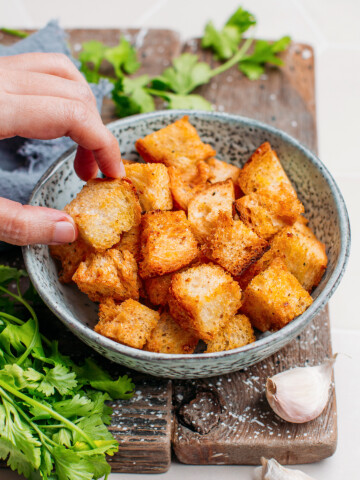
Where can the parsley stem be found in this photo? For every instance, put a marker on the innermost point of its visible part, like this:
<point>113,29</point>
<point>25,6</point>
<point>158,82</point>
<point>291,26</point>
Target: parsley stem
<point>15,33</point>
<point>18,321</point>
<point>233,60</point>
<point>49,410</point>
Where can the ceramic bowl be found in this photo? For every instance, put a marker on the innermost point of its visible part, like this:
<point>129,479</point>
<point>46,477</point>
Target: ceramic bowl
<point>234,139</point>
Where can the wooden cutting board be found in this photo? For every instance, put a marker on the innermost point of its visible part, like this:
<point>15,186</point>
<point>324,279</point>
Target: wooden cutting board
<point>226,419</point>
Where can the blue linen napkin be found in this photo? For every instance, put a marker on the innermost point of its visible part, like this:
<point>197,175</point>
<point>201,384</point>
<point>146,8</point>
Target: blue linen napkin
<point>23,161</point>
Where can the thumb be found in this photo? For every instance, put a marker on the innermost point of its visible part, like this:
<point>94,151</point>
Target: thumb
<point>27,225</point>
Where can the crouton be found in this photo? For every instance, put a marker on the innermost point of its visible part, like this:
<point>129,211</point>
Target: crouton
<point>304,256</point>
<point>184,188</point>
<point>108,274</point>
<point>274,298</point>
<point>130,323</point>
<point>130,241</point>
<point>263,171</point>
<point>70,256</point>
<point>203,298</point>
<point>103,210</point>
<point>236,333</point>
<point>177,145</point>
<point>169,337</point>
<point>167,243</point>
<point>157,289</point>
<point>152,185</point>
<point>221,171</point>
<point>233,245</point>
<point>204,207</point>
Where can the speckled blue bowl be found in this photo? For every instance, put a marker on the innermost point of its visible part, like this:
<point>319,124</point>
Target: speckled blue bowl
<point>234,138</point>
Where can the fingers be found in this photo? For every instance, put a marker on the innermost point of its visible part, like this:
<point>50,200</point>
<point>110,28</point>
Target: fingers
<point>46,117</point>
<point>85,164</point>
<point>33,83</point>
<point>51,63</point>
<point>28,225</point>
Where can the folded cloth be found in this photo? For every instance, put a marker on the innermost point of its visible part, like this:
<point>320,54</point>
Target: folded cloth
<point>23,161</point>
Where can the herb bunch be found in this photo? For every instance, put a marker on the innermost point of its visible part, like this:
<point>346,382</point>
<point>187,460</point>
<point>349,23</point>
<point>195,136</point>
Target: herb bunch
<point>177,83</point>
<point>53,414</point>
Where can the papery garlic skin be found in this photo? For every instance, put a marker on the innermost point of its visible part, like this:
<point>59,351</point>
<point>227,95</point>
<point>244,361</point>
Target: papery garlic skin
<point>300,394</point>
<point>272,470</point>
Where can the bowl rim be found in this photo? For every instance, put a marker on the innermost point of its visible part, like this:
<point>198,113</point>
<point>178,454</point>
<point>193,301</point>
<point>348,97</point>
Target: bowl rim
<point>290,330</point>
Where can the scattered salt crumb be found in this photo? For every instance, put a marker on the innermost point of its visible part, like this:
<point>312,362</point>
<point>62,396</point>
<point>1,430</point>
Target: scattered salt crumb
<point>306,54</point>
<point>272,96</point>
<point>294,123</point>
<point>77,47</point>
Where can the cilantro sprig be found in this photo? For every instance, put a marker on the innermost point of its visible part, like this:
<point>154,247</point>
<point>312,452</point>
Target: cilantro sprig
<point>53,414</point>
<point>177,83</point>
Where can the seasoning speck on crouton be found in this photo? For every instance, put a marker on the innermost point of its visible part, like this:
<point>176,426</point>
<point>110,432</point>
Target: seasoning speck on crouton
<point>103,209</point>
<point>167,243</point>
<point>108,274</point>
<point>157,289</point>
<point>177,145</point>
<point>169,337</point>
<point>203,298</point>
<point>274,298</point>
<point>130,323</point>
<point>221,171</point>
<point>236,333</point>
<point>233,245</point>
<point>152,185</point>
<point>205,206</point>
<point>70,256</point>
<point>184,188</point>
<point>130,241</point>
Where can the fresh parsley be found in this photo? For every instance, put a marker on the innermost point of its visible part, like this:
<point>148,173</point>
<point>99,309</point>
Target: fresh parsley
<point>53,414</point>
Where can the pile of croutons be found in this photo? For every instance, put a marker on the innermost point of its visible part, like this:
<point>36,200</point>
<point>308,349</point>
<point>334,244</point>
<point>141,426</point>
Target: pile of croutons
<point>189,247</point>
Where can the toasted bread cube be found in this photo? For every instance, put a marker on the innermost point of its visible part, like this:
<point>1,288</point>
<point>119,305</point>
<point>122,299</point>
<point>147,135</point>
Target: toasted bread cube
<point>203,298</point>
<point>157,289</point>
<point>304,256</point>
<point>108,274</point>
<point>152,184</point>
<point>274,298</point>
<point>169,337</point>
<point>167,243</point>
<point>205,206</point>
<point>184,188</point>
<point>177,145</point>
<point>263,171</point>
<point>130,241</point>
<point>236,333</point>
<point>130,323</point>
<point>70,256</point>
<point>221,171</point>
<point>103,210</point>
<point>233,245</point>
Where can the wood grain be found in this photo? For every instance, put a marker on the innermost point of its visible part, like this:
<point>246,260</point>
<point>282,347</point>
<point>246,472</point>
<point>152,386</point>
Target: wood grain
<point>222,420</point>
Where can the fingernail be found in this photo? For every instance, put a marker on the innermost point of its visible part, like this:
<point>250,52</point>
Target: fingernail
<point>122,169</point>
<point>64,232</point>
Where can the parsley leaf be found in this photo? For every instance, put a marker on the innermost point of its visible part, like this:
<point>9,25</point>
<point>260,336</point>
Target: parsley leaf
<point>122,57</point>
<point>264,52</point>
<point>223,42</point>
<point>58,378</point>
<point>242,20</point>
<point>78,405</point>
<point>131,97</point>
<point>9,274</point>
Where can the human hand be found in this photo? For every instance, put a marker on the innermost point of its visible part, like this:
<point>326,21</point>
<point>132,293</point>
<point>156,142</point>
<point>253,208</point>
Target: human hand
<point>44,96</point>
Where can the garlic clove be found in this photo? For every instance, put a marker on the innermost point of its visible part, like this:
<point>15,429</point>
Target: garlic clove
<point>300,394</point>
<point>272,470</point>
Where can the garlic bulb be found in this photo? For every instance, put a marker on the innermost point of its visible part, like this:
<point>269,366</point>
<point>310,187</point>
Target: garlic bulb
<point>300,394</point>
<point>272,470</point>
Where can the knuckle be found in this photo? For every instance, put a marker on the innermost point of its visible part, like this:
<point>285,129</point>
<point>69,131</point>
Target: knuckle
<point>78,113</point>
<point>84,94</point>
<point>63,62</point>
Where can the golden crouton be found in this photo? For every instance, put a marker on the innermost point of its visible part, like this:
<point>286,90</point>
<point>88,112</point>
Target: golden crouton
<point>203,298</point>
<point>130,323</point>
<point>169,337</point>
<point>108,274</point>
<point>184,188</point>
<point>167,243</point>
<point>303,255</point>
<point>204,207</point>
<point>152,185</point>
<point>233,245</point>
<point>263,171</point>
<point>70,256</point>
<point>130,241</point>
<point>177,145</point>
<point>103,210</point>
<point>236,333</point>
<point>157,289</point>
<point>274,298</point>
<point>221,171</point>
